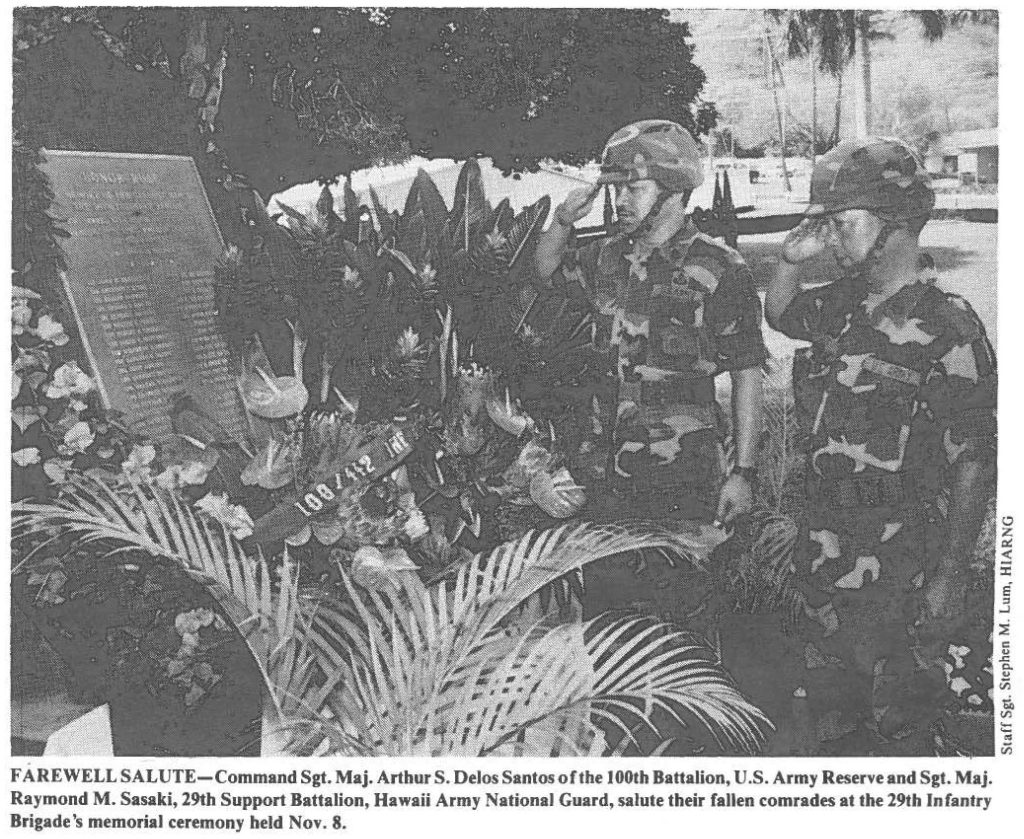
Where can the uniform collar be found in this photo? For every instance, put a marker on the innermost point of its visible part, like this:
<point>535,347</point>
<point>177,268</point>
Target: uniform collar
<point>679,240</point>
<point>899,305</point>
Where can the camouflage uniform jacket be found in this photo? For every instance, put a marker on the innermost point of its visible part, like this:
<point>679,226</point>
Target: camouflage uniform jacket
<point>889,394</point>
<point>678,315</point>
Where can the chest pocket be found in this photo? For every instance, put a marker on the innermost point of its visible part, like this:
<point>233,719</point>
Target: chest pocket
<point>678,321</point>
<point>866,412</point>
<point>678,341</point>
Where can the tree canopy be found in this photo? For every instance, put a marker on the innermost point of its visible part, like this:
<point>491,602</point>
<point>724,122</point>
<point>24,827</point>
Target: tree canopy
<point>306,93</point>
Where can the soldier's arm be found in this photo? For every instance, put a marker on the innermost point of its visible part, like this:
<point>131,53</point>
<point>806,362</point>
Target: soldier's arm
<point>781,291</point>
<point>964,402</point>
<point>747,406</point>
<point>734,316</point>
<point>804,242</point>
<point>552,244</point>
<point>971,486</point>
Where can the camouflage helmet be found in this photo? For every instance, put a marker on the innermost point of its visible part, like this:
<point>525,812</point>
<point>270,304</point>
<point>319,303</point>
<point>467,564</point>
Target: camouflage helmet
<point>883,176</point>
<point>653,149</point>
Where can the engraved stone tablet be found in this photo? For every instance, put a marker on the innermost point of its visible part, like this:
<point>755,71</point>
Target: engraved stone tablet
<point>139,278</point>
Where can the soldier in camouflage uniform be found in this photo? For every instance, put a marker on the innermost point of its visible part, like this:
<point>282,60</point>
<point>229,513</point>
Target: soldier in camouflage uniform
<point>674,308</point>
<point>896,396</point>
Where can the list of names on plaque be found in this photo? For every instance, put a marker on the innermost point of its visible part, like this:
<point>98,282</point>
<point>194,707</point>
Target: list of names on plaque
<point>140,278</point>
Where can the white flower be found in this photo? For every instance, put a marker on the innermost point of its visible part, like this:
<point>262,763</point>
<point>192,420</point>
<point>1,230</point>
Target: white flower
<point>351,277</point>
<point>407,344</point>
<point>416,526</point>
<point>56,469</point>
<point>68,379</point>
<point>136,465</point>
<point>177,475</point>
<point>26,457</point>
<point>233,516</point>
<point>427,274</point>
<point>194,473</point>
<point>169,478</point>
<point>233,255</point>
<point>21,314</point>
<point>79,437</point>
<point>51,330</point>
<point>192,622</point>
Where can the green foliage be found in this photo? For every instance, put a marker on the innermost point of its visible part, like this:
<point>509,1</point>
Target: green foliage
<point>406,669</point>
<point>356,283</point>
<point>59,421</point>
<point>759,578</point>
<point>309,93</point>
<point>537,689</point>
<point>144,517</point>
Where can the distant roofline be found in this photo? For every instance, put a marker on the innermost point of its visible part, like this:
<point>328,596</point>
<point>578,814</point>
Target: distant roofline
<point>961,140</point>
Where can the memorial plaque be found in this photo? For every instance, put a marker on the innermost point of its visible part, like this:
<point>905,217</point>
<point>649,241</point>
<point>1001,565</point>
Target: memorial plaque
<point>140,280</point>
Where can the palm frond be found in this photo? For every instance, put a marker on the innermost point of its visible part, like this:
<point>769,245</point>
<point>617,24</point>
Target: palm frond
<point>780,460</point>
<point>159,523</point>
<point>761,579</point>
<point>435,670</point>
<point>411,669</point>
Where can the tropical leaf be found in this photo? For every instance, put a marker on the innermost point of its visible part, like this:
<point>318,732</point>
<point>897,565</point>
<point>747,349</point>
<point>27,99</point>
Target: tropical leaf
<point>385,221</point>
<point>412,235</point>
<point>502,217</point>
<point>159,523</point>
<point>410,669</point>
<point>439,670</point>
<point>324,217</point>
<point>401,259</point>
<point>780,460</point>
<point>295,219</point>
<point>522,238</point>
<point>350,229</point>
<point>760,579</point>
<point>425,199</point>
<point>470,207</point>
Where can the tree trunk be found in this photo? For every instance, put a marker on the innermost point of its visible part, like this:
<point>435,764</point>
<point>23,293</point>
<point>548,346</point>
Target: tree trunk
<point>779,116</point>
<point>814,97</point>
<point>862,65</point>
<point>838,123</point>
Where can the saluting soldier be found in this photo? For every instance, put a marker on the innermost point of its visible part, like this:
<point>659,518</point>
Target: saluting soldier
<point>675,309</point>
<point>896,396</point>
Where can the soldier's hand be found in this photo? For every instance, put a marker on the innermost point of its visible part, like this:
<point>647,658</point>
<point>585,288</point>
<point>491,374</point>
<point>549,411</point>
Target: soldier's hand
<point>805,241</point>
<point>735,499</point>
<point>576,206</point>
